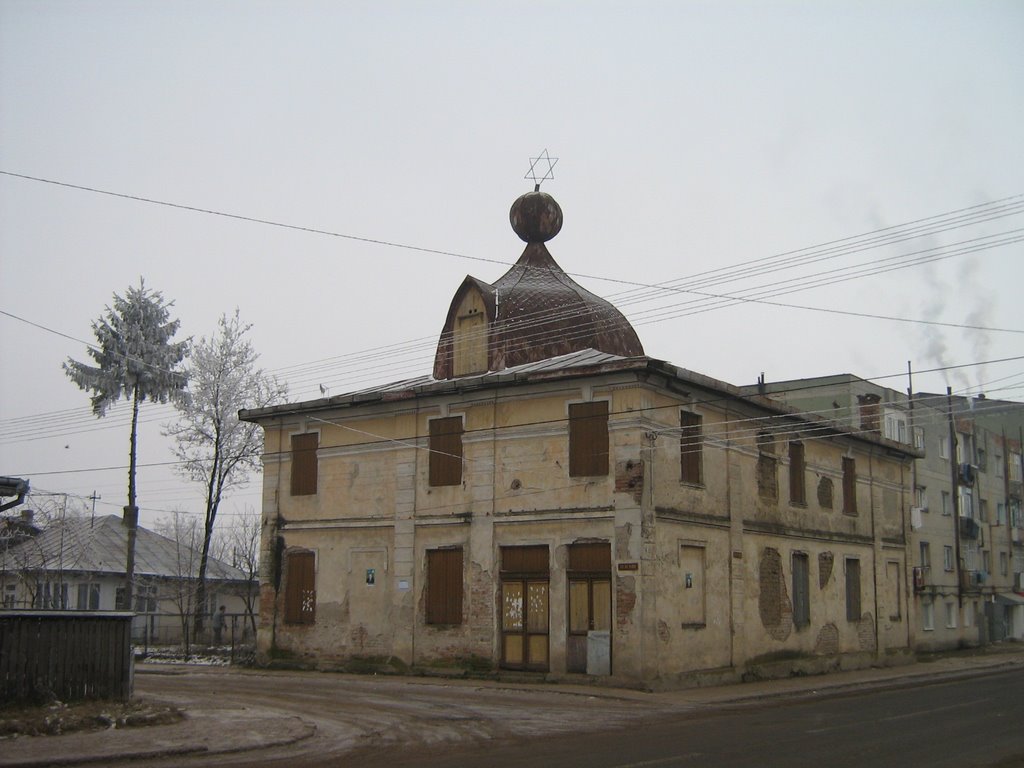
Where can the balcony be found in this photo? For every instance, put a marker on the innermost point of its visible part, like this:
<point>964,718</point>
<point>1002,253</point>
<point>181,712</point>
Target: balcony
<point>969,528</point>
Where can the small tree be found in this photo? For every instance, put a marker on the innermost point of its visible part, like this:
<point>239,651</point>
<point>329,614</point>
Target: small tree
<point>214,447</point>
<point>243,546</point>
<point>136,358</point>
<point>181,591</point>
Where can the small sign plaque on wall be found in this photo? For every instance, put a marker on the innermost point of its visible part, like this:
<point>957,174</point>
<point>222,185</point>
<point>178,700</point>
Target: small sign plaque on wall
<point>629,566</point>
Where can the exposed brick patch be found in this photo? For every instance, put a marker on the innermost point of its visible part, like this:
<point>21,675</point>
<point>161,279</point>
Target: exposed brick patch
<point>866,632</point>
<point>827,643</point>
<point>825,492</point>
<point>625,600</point>
<point>663,632</point>
<point>629,478</point>
<point>826,561</point>
<point>773,601</point>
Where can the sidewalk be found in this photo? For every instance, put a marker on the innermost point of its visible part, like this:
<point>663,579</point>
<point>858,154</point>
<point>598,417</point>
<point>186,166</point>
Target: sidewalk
<point>211,732</point>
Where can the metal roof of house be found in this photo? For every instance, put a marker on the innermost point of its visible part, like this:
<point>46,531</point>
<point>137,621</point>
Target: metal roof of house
<point>100,546</point>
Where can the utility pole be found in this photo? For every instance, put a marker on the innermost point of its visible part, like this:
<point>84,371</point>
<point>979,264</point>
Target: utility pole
<point>95,498</point>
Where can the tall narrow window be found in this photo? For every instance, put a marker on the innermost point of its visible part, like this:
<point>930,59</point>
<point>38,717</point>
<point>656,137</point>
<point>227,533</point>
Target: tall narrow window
<point>691,447</point>
<point>852,589</point>
<point>797,479</point>
<point>588,439</point>
<point>767,475</point>
<point>849,486</point>
<point>801,590</point>
<point>300,588</point>
<point>444,586</point>
<point>446,451</point>
<point>304,466</point>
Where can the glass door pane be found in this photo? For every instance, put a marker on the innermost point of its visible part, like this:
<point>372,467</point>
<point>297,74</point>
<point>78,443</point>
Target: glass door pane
<point>602,604</point>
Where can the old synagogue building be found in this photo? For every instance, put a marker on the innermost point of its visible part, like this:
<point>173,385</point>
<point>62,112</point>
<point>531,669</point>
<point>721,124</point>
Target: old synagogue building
<point>552,499</point>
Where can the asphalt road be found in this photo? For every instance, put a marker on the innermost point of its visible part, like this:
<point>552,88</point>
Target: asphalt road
<point>375,723</point>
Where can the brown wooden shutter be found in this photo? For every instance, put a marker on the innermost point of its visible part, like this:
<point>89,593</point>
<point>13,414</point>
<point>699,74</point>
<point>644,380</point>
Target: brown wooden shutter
<point>797,479</point>
<point>444,586</point>
<point>588,439</point>
<point>691,459</point>
<point>525,560</point>
<point>590,558</point>
<point>300,591</point>
<point>853,590</point>
<point>849,486</point>
<point>304,464</point>
<point>446,451</point>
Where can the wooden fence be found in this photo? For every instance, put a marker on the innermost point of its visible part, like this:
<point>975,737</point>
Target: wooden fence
<point>67,655</point>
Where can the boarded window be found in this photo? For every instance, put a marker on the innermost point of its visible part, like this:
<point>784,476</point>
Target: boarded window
<point>797,474</point>
<point>588,439</point>
<point>304,463</point>
<point>852,589</point>
<point>300,588</point>
<point>470,344</point>
<point>801,590</point>
<point>524,560</point>
<point>767,477</point>
<point>849,486</point>
<point>446,451</point>
<point>590,558</point>
<point>691,447</point>
<point>444,586</point>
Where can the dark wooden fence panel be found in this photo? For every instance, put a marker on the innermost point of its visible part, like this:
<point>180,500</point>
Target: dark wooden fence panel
<point>65,655</point>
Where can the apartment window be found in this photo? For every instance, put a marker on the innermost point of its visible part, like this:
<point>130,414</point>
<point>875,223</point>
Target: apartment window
<point>444,586</point>
<point>986,561</point>
<point>691,449</point>
<point>446,451</point>
<point>304,465</point>
<point>300,588</point>
<point>895,428</point>
<point>1004,564</point>
<point>918,433</point>
<point>950,615</point>
<point>947,508</point>
<point>966,502</point>
<point>801,590</point>
<point>947,557</point>
<point>999,465</point>
<point>921,497</point>
<point>1015,519</point>
<point>983,510</point>
<point>145,599</point>
<point>1014,467</point>
<point>588,439</point>
<point>797,474</point>
<point>767,474</point>
<point>849,486</point>
<point>852,589</point>
<point>927,616</point>
<point>88,597</point>
<point>926,555</point>
<point>982,459</point>
<point>1000,513</point>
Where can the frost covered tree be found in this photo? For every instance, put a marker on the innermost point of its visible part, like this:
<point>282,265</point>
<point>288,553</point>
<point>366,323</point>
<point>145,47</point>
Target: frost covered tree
<point>136,359</point>
<point>213,446</point>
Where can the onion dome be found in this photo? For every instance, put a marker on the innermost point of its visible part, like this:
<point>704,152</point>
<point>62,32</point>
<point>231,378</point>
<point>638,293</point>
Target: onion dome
<point>533,312</point>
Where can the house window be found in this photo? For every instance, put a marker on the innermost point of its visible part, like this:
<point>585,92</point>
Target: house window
<point>444,586</point>
<point>926,555</point>
<point>9,595</point>
<point>304,465</point>
<point>120,599</point>
<point>947,557</point>
<point>943,447</point>
<point>691,448</point>
<point>950,615</point>
<point>300,588</point>
<point>1004,563</point>
<point>767,475</point>
<point>588,439</point>
<point>145,599</point>
<point>446,451</point>
<point>849,486</point>
<point>946,507</point>
<point>801,590</point>
<point>797,474</point>
<point>927,616</point>
<point>88,597</point>
<point>852,589</point>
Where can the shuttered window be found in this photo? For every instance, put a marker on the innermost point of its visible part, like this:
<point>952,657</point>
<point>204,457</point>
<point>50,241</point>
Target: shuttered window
<point>691,448</point>
<point>444,586</point>
<point>588,439</point>
<point>849,486</point>
<point>797,474</point>
<point>300,588</point>
<point>801,590</point>
<point>304,463</point>
<point>446,451</point>
<point>852,589</point>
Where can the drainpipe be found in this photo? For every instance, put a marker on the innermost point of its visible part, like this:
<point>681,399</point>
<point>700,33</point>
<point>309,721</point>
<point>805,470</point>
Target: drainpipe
<point>955,494</point>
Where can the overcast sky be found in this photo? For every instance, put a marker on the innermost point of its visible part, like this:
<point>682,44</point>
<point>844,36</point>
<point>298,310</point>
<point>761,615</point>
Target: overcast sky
<point>691,136</point>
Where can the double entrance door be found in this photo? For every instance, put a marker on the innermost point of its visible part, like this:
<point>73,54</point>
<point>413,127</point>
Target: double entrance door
<point>525,607</point>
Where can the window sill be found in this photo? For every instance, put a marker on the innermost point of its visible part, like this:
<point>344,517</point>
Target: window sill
<point>691,484</point>
<point>694,625</point>
<point>798,504</point>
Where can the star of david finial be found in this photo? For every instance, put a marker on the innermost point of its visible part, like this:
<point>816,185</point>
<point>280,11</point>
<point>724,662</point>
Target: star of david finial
<point>537,165</point>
